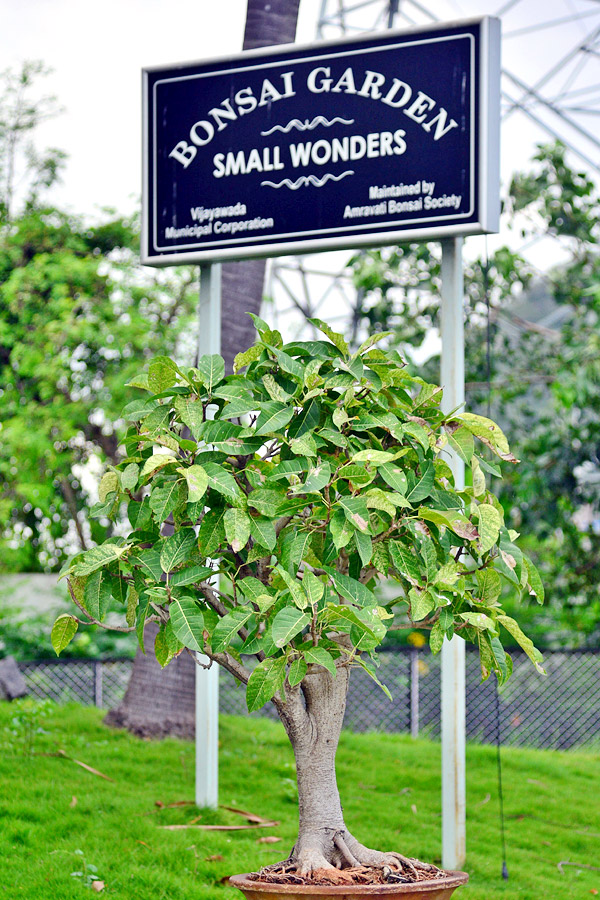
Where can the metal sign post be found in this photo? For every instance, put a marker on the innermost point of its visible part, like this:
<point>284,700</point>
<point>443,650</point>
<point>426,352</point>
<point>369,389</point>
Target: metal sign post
<point>207,680</point>
<point>453,652</point>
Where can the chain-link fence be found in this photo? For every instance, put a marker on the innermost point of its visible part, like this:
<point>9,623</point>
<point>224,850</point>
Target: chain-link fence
<point>559,711</point>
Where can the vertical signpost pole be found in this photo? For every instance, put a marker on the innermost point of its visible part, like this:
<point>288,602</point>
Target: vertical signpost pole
<point>207,680</point>
<point>453,652</point>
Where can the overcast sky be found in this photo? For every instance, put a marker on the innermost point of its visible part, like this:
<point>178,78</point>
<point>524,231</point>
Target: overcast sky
<point>97,52</point>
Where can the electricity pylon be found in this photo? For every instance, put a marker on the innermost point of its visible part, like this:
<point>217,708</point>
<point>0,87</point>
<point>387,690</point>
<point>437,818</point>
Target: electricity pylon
<point>550,91</point>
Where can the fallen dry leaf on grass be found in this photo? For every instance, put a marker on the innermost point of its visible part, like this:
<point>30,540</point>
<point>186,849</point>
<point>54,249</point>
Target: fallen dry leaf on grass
<point>220,827</point>
<point>214,858</point>
<point>414,808</point>
<point>98,886</point>
<point>162,805</point>
<point>252,817</point>
<point>82,764</point>
<point>73,802</point>
<point>144,844</point>
<point>269,839</point>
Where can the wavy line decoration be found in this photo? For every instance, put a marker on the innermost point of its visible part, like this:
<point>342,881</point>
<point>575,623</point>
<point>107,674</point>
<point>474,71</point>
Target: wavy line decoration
<point>306,125</point>
<point>305,180</point>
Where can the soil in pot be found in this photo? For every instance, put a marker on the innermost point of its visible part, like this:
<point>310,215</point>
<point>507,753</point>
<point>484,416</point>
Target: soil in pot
<point>352,883</point>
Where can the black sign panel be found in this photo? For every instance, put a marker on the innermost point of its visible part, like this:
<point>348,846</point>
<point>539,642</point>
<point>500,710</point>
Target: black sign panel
<point>354,143</point>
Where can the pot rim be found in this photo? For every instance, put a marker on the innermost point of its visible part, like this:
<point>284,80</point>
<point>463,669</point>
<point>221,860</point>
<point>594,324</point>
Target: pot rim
<point>451,879</point>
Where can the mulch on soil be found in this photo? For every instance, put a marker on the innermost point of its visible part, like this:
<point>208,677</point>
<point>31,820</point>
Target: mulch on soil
<point>351,876</point>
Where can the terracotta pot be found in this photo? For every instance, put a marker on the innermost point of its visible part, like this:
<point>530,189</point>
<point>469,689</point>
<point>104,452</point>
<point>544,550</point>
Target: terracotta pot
<point>438,889</point>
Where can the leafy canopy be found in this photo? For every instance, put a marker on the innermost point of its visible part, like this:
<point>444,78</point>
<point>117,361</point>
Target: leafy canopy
<point>300,482</point>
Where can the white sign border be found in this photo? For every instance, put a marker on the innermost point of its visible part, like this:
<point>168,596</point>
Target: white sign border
<point>488,169</point>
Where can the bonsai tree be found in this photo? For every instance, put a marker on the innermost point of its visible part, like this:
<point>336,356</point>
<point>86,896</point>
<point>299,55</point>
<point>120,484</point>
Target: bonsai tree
<point>310,475</point>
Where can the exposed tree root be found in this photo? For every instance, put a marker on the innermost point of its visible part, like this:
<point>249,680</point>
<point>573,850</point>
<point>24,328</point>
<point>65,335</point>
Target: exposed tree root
<point>341,859</point>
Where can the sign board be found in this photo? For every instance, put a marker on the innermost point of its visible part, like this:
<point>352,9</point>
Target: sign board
<point>367,141</point>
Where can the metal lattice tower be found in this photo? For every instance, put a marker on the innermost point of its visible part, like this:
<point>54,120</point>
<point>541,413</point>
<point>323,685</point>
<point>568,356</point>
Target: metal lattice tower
<point>550,90</point>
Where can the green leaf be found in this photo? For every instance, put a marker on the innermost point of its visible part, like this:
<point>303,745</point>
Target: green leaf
<point>149,560</point>
<point>351,589</point>
<point>369,668</point>
<point>265,681</point>
<point>141,614</point>
<point>383,500</point>
<point>109,484</point>
<point>489,585</point>
<point>188,623</point>
<point>355,510</point>
<point>346,615</point>
<point>273,417</point>
<point>162,374</point>
<point>456,521</point>
<point>63,632</point>
<point>364,546</point>
<point>129,477</point>
<point>418,433</point>
<point>263,532</point>
<point>421,604</point>
<point>373,339</point>
<point>197,482</point>
<point>97,594</point>
<point>534,581</point>
<point>318,656</point>
<point>267,501</point>
<point>294,586</point>
<point>98,557</point>
<point>192,575</point>
<point>423,486</point>
<point>162,651</point>
<point>212,370</point>
<point>212,531</point>
<point>191,413</point>
<point>163,500</point>
<point>303,445</point>
<point>405,562</point>
<point>490,523</point>
<point>313,587</point>
<point>132,602</point>
<point>334,337</point>
<point>341,529</point>
<point>488,433</point>
<point>287,624</point>
<point>523,641</point>
<point>479,620</point>
<point>375,457</point>
<point>394,476</point>
<point>288,363</point>
<point>297,671</point>
<point>436,638</point>
<point>248,356</point>
<point>228,627</point>
<point>237,528</point>
<point>316,479</point>
<point>221,481</point>
<point>177,548</point>
<point>155,462</point>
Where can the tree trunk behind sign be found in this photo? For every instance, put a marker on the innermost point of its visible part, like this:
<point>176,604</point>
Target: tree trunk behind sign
<point>267,22</point>
<point>160,702</point>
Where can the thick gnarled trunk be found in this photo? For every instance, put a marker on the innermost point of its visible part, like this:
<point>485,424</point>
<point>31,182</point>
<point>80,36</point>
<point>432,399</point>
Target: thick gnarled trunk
<point>313,714</point>
<point>321,820</point>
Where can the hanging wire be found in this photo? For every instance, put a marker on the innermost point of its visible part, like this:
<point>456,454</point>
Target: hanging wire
<point>486,291</point>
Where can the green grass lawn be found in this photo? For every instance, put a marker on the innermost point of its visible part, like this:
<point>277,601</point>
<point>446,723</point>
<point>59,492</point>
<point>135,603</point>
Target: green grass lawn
<point>390,788</point>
